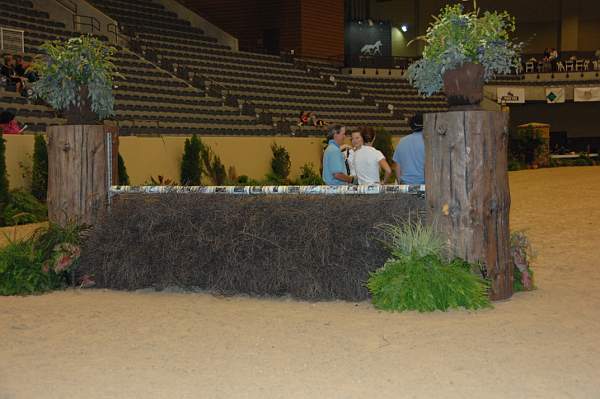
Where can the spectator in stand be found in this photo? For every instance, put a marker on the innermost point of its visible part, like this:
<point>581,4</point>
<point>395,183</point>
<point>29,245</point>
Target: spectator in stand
<point>303,118</point>
<point>9,124</point>
<point>315,121</point>
<point>367,161</point>
<point>8,70</point>
<point>334,167</point>
<point>410,154</point>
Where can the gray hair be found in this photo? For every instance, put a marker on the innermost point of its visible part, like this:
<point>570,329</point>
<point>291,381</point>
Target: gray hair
<point>333,130</point>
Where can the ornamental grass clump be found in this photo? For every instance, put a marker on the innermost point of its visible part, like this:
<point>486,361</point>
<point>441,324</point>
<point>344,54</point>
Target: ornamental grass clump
<point>457,37</point>
<point>417,277</point>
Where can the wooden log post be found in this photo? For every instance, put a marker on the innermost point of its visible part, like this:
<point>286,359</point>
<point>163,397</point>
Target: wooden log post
<point>77,173</point>
<point>468,196</point>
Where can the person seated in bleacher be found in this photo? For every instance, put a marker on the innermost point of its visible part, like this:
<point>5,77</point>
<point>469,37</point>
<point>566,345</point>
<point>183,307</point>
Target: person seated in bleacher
<point>8,70</point>
<point>315,121</point>
<point>22,65</point>
<point>303,119</point>
<point>9,124</point>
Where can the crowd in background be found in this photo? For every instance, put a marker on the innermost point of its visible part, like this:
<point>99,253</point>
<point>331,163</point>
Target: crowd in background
<point>361,163</point>
<point>15,73</point>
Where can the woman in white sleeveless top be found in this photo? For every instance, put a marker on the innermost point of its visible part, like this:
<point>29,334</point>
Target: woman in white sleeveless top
<point>366,161</point>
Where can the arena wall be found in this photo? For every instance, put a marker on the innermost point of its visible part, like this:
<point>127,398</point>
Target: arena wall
<point>161,155</point>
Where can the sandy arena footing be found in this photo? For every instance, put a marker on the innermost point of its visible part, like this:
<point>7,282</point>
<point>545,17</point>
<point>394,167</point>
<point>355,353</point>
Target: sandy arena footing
<point>542,344</point>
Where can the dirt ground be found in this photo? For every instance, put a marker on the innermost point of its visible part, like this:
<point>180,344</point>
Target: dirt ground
<point>542,344</point>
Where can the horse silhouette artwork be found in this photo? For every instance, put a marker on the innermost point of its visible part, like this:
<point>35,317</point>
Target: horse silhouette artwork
<point>372,49</point>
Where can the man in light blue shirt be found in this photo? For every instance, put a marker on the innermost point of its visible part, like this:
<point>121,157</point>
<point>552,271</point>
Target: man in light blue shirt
<point>334,166</point>
<point>410,154</point>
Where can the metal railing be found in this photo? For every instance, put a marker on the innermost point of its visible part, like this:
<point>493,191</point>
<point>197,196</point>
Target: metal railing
<point>80,21</point>
<point>69,5</point>
<point>12,40</point>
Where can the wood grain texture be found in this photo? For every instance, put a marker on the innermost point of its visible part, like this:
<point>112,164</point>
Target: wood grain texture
<point>77,173</point>
<point>467,189</point>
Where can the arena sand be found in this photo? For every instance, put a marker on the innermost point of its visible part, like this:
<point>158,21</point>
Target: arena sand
<point>541,344</point>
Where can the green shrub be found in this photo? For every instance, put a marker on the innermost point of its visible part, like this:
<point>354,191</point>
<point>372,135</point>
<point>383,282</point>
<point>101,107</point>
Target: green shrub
<point>524,145</point>
<point>41,263</point>
<point>4,194</point>
<point>39,170</point>
<point>21,270</point>
<point>23,208</point>
<point>280,164</point>
<point>122,172</point>
<point>417,277</point>
<point>191,167</point>
<point>215,169</point>
<point>383,142</point>
<point>427,284</point>
<point>309,177</point>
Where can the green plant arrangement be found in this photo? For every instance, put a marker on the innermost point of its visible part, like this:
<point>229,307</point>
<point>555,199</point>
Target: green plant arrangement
<point>191,166</point>
<point>458,38</point>
<point>43,262</point>
<point>417,277</point>
<point>23,208</point>
<point>39,170</point>
<point>76,77</point>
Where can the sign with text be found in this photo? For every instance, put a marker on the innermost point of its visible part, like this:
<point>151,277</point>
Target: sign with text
<point>510,95</point>
<point>586,94</point>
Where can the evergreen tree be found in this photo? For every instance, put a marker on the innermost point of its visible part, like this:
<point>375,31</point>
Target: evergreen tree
<point>123,176</point>
<point>191,168</point>
<point>4,195</point>
<point>39,170</point>
<point>280,164</point>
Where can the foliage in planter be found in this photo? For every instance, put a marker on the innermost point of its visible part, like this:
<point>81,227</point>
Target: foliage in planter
<point>72,69</point>
<point>122,171</point>
<point>191,166</point>
<point>582,160</point>
<point>39,170</point>
<point>524,145</point>
<point>160,181</point>
<point>417,277</point>
<point>41,263</point>
<point>457,37</point>
<point>24,208</point>
<point>280,164</point>
<point>4,195</point>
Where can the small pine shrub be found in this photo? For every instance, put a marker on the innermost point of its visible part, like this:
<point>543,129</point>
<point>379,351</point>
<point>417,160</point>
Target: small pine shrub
<point>280,164</point>
<point>215,169</point>
<point>522,254</point>
<point>122,172</point>
<point>309,177</point>
<point>39,170</point>
<point>417,277</point>
<point>383,142</point>
<point>23,208</point>
<point>191,167</point>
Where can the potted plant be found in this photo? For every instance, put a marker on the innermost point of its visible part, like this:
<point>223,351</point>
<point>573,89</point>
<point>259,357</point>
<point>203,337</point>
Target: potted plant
<point>462,51</point>
<point>76,79</point>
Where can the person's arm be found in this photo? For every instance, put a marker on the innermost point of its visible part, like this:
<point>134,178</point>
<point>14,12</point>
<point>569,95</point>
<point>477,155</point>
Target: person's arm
<point>398,172</point>
<point>344,177</point>
<point>386,169</point>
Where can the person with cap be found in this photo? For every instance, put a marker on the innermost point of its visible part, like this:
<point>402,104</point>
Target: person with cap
<point>410,154</point>
<point>334,166</point>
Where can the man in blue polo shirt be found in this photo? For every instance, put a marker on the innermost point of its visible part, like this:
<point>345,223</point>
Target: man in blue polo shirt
<point>410,154</point>
<point>334,167</point>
